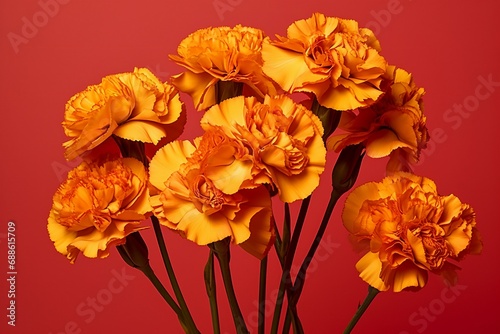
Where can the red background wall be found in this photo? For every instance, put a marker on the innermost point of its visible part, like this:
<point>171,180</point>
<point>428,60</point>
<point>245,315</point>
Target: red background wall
<point>450,48</point>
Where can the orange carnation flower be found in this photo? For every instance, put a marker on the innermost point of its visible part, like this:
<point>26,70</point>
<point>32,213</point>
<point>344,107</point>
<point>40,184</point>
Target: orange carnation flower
<point>330,57</point>
<point>134,106</point>
<point>394,126</point>
<point>409,230</point>
<point>206,194</point>
<point>284,137</point>
<point>98,206</point>
<point>220,54</point>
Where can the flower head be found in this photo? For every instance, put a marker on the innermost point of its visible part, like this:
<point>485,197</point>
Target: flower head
<point>283,137</point>
<point>330,57</point>
<point>134,106</point>
<point>206,194</point>
<point>220,54</point>
<point>97,206</point>
<point>395,126</point>
<point>408,230</point>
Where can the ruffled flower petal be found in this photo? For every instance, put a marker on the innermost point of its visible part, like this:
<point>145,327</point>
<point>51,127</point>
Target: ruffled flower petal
<point>408,230</point>
<point>98,205</point>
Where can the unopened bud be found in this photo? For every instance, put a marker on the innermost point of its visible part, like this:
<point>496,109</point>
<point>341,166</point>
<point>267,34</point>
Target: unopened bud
<point>346,169</point>
<point>135,251</point>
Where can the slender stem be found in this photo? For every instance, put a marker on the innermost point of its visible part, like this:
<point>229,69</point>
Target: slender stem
<point>212,292</point>
<point>262,295</point>
<point>372,292</point>
<point>239,322</point>
<point>299,281</point>
<point>278,306</point>
<point>286,230</point>
<point>286,280</point>
<point>171,275</point>
<point>148,271</point>
<point>287,323</point>
<point>277,244</point>
<point>286,272</point>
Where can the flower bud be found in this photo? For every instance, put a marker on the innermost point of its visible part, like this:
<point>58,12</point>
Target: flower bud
<point>346,169</point>
<point>135,251</point>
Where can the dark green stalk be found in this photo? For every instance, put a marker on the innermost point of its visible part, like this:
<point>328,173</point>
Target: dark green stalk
<point>221,250</point>
<point>286,230</point>
<point>148,271</point>
<point>344,175</point>
<point>171,275</point>
<point>135,253</point>
<point>262,296</point>
<point>277,244</point>
<point>372,293</point>
<point>210,285</point>
<point>299,281</point>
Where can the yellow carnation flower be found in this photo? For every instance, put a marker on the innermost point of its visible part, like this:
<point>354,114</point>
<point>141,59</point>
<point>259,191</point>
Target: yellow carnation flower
<point>220,54</point>
<point>134,106</point>
<point>409,230</point>
<point>395,126</point>
<point>285,140</point>
<point>330,57</point>
<point>98,205</point>
<point>206,194</point>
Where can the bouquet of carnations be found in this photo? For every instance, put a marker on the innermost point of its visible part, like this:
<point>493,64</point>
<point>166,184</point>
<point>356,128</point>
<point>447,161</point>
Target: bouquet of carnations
<point>273,111</point>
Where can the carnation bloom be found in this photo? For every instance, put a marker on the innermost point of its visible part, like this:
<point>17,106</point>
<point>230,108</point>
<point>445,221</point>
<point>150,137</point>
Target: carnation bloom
<point>220,54</point>
<point>409,230</point>
<point>98,205</point>
<point>394,126</point>
<point>206,194</point>
<point>284,137</point>
<point>330,57</point>
<point>134,106</point>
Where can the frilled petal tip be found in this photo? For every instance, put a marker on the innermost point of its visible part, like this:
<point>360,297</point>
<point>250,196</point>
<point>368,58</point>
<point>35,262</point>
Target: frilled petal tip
<point>262,234</point>
<point>200,86</point>
<point>93,244</point>
<point>167,161</point>
<point>369,268</point>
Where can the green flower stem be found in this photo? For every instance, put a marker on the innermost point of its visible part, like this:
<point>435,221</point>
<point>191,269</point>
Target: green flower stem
<point>299,281</point>
<point>210,286</point>
<point>290,322</point>
<point>372,292</point>
<point>221,249</point>
<point>171,275</point>
<point>286,230</point>
<point>286,280</point>
<point>262,296</point>
<point>277,244</point>
<point>148,271</point>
